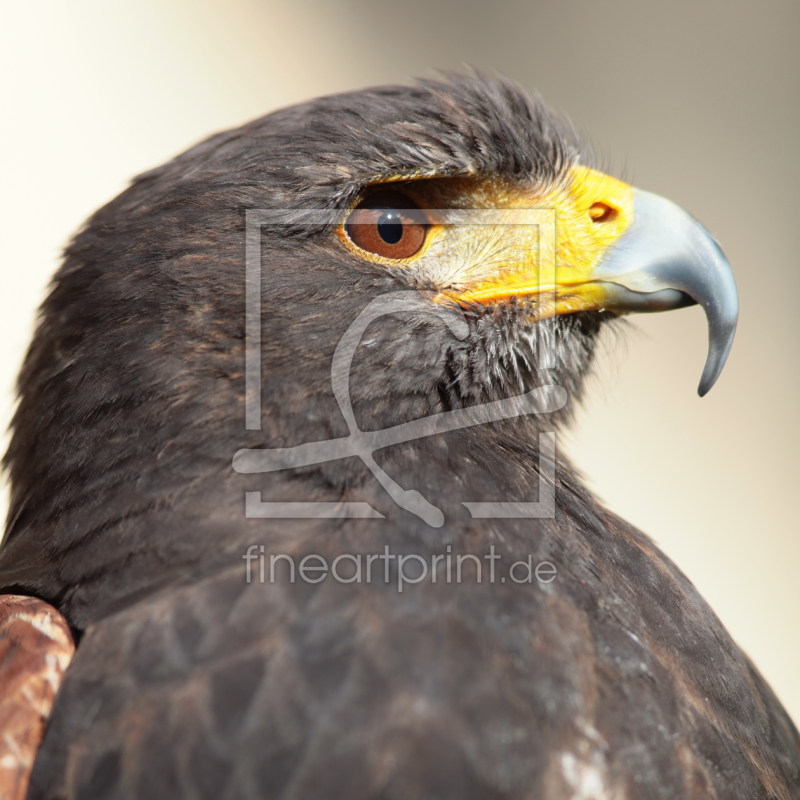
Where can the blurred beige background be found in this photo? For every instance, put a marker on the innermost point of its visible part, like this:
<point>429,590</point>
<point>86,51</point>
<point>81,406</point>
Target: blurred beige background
<point>699,101</point>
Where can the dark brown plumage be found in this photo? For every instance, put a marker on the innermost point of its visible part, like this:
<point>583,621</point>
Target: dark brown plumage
<point>613,681</point>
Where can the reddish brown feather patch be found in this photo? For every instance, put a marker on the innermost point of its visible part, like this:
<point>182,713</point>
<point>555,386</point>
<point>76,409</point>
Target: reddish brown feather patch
<point>35,648</point>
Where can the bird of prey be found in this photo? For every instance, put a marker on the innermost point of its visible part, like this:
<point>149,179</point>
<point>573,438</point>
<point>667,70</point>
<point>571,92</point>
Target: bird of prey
<point>286,461</point>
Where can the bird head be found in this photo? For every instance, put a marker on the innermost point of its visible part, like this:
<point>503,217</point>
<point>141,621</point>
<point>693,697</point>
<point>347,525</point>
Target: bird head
<point>467,192</point>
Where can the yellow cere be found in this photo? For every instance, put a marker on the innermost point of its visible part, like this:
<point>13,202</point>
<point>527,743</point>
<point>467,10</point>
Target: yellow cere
<point>481,247</point>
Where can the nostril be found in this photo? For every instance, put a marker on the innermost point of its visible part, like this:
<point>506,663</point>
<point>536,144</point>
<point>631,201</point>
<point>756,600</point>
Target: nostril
<point>602,212</point>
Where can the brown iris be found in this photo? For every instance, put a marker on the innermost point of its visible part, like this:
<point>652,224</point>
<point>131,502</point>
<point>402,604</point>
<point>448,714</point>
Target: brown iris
<point>387,224</point>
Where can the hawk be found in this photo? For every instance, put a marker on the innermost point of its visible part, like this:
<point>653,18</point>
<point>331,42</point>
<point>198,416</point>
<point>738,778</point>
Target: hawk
<point>286,461</point>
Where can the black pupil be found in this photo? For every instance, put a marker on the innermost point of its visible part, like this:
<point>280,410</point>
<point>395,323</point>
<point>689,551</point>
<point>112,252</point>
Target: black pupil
<point>390,227</point>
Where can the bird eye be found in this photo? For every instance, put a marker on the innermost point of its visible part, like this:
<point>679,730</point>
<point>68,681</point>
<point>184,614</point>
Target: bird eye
<point>388,224</point>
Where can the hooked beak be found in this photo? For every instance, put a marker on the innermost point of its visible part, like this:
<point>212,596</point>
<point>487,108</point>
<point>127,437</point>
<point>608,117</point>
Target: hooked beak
<point>665,260</point>
<point>622,250</point>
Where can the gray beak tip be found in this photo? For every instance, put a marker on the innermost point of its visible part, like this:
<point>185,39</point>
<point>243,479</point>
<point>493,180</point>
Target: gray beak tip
<point>720,342</point>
